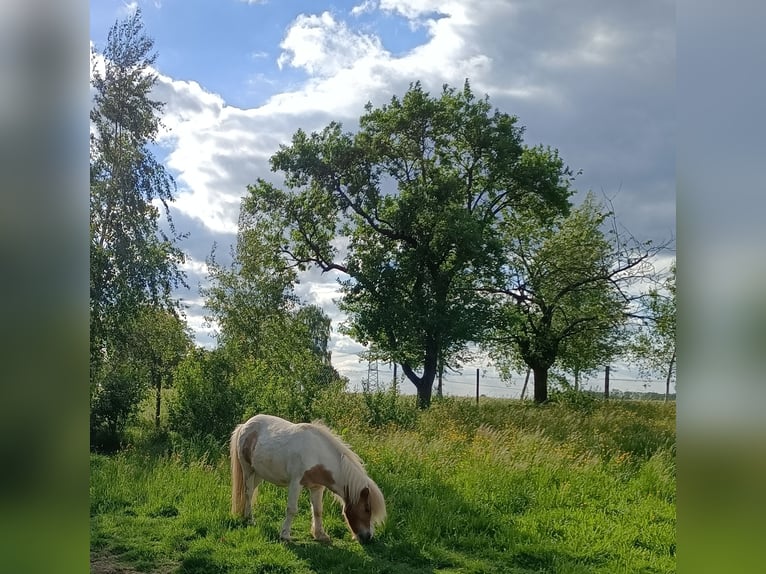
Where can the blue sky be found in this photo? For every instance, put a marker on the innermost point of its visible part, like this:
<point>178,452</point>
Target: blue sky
<point>231,46</point>
<point>594,79</point>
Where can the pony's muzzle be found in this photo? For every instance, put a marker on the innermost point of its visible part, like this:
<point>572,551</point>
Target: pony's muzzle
<point>364,536</point>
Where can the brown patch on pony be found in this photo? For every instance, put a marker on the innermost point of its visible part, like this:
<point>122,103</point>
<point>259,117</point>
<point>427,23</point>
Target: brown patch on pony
<point>359,514</point>
<point>317,475</point>
<point>248,446</point>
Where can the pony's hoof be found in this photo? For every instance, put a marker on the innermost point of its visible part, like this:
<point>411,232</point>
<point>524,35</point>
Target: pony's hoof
<point>286,539</point>
<point>324,539</point>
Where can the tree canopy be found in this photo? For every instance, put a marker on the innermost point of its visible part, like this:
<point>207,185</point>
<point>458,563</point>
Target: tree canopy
<point>653,348</point>
<point>565,289</point>
<point>134,263</point>
<point>406,210</point>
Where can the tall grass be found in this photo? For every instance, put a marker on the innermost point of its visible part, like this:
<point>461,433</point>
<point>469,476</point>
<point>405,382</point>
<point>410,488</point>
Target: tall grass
<point>503,487</point>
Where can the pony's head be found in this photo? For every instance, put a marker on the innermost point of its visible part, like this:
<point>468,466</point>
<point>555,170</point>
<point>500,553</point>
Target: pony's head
<point>358,515</point>
<point>364,512</point>
<point>363,504</point>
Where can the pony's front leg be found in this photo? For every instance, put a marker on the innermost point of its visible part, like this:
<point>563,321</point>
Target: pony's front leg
<point>317,531</point>
<point>293,490</point>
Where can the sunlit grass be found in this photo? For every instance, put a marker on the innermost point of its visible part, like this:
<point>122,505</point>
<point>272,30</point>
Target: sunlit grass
<point>507,487</point>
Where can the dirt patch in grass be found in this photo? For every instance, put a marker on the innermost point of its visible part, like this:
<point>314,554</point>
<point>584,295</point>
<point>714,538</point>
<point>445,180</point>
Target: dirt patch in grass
<point>108,564</point>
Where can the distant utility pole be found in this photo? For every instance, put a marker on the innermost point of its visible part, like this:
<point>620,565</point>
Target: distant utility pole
<point>606,382</point>
<point>477,386</point>
<point>372,371</point>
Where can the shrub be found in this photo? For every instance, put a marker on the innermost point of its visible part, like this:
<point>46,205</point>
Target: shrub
<point>387,407</point>
<point>583,400</point>
<point>207,403</point>
<point>114,403</point>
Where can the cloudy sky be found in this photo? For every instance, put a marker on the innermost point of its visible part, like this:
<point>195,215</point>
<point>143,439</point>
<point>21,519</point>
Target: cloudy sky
<point>595,79</point>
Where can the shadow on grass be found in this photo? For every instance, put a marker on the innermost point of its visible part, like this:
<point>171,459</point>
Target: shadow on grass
<point>349,557</point>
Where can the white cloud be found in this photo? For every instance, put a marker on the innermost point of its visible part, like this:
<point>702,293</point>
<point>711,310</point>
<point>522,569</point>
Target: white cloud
<point>194,266</point>
<point>595,82</point>
<point>323,46</point>
<point>128,8</point>
<point>413,9</point>
<point>364,7</point>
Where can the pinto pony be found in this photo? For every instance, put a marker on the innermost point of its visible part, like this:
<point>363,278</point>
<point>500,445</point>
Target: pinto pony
<point>302,455</point>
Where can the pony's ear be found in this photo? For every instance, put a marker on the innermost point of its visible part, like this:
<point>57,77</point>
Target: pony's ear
<point>365,492</point>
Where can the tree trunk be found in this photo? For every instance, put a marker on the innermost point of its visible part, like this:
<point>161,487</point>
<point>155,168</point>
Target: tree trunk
<point>670,372</point>
<point>541,383</point>
<point>424,384</point>
<point>424,395</point>
<point>158,387</point>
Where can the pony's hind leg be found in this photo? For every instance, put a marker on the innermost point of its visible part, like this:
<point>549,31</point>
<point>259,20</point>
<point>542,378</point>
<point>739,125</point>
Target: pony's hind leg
<point>251,490</point>
<point>293,490</point>
<point>317,531</point>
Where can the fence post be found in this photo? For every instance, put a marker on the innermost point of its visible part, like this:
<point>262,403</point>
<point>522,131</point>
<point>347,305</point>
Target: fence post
<point>439,392</point>
<point>606,382</point>
<point>477,386</point>
<point>524,388</point>
<point>394,376</point>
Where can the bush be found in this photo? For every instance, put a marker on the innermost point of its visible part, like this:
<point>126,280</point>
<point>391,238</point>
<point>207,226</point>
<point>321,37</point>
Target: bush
<point>387,407</point>
<point>583,400</point>
<point>114,403</point>
<point>207,403</point>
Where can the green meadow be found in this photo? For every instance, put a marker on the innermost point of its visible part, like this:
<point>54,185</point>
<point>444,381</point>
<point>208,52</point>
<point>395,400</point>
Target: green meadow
<point>505,486</point>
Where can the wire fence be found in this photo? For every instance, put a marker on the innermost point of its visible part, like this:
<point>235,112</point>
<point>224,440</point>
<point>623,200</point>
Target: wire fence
<point>360,372</point>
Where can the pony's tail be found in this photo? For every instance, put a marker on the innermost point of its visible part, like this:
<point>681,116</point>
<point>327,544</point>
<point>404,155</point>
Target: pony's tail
<point>237,477</point>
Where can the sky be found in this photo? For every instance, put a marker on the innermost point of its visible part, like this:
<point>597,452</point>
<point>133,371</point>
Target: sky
<point>594,79</point>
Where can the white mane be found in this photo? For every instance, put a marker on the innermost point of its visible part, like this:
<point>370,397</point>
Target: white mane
<point>354,474</point>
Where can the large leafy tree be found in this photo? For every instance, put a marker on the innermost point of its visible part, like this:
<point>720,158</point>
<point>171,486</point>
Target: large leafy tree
<point>566,286</point>
<point>133,262</point>
<point>406,210</point>
<point>277,348</point>
<point>653,348</point>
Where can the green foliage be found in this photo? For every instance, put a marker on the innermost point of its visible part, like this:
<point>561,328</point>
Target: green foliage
<point>653,348</point>
<point>503,487</point>
<point>277,348</point>
<point>218,389</point>
<point>160,340</point>
<point>387,407</point>
<point>114,403</point>
<point>564,294</point>
<point>207,401</point>
<point>133,262</point>
<point>415,196</point>
<point>286,389</point>
<point>574,397</point>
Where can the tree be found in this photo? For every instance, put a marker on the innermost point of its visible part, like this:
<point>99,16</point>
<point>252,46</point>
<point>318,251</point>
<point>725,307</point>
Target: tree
<point>133,262</point>
<point>160,339</point>
<point>278,348</point>
<point>314,326</point>
<point>590,350</point>
<point>653,348</point>
<point>566,286</point>
<point>406,210</point>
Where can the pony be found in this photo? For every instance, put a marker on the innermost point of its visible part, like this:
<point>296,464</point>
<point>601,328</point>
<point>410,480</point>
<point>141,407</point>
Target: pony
<point>302,455</point>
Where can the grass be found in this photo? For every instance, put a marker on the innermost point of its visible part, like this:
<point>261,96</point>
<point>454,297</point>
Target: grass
<point>505,487</point>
